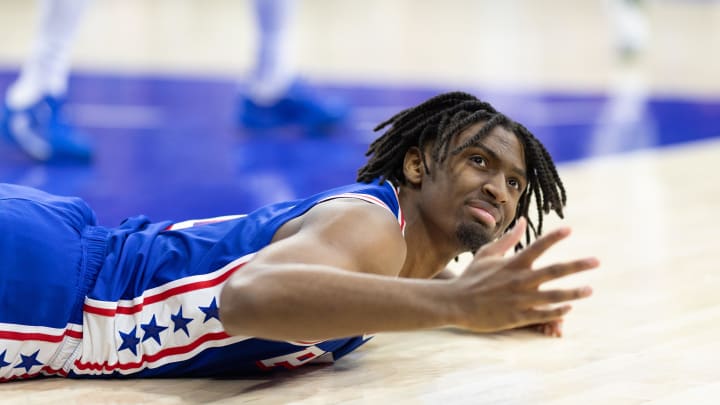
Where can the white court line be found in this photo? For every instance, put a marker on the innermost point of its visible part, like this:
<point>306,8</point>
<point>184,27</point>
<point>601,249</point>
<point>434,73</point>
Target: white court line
<point>109,116</point>
<point>534,113</point>
<point>364,119</point>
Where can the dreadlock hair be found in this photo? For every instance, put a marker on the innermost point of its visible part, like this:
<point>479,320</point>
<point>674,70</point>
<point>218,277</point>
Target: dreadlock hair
<point>437,121</point>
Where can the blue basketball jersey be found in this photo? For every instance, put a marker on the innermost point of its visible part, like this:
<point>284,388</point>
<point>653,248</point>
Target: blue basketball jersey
<point>151,308</point>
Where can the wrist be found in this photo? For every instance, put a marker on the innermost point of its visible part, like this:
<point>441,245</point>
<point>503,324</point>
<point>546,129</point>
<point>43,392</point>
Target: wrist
<point>446,303</point>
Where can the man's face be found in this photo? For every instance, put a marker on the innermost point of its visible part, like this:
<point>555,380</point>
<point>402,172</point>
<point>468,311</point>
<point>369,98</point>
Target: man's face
<point>476,192</point>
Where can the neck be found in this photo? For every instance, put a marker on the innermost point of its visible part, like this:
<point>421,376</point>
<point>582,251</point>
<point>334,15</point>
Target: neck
<point>428,250</point>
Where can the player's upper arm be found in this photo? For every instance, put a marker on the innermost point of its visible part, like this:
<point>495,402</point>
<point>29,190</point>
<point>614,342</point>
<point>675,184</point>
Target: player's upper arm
<point>346,233</point>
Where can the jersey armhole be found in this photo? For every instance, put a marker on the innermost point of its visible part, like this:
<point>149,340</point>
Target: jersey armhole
<point>373,200</point>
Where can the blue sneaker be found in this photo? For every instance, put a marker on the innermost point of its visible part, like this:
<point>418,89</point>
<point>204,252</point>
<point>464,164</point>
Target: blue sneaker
<point>43,134</point>
<point>299,106</point>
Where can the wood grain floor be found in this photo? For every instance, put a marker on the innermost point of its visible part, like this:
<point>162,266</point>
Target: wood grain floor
<point>648,335</point>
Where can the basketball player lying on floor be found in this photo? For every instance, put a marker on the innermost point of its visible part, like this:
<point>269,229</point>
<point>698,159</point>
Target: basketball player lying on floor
<point>294,282</point>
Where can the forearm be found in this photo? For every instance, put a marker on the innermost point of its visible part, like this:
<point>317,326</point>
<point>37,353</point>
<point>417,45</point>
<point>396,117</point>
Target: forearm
<point>310,302</point>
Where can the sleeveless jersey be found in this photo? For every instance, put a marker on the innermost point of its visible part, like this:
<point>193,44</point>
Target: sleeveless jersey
<point>153,308</point>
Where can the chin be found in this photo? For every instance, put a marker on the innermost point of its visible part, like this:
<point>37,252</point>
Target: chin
<point>473,235</point>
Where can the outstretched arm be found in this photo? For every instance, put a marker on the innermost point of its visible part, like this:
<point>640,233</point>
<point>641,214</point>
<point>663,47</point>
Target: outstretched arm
<point>335,277</point>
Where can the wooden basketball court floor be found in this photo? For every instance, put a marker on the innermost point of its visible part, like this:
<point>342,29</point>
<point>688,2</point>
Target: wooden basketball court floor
<point>648,335</point>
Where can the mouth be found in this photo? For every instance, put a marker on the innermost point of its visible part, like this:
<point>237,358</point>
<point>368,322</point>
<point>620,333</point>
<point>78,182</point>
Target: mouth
<point>484,212</point>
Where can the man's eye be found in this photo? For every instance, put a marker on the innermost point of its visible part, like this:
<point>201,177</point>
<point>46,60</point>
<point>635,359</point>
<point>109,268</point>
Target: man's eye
<point>514,183</point>
<point>479,160</point>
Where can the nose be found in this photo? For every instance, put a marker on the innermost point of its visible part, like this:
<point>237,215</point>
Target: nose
<point>495,188</point>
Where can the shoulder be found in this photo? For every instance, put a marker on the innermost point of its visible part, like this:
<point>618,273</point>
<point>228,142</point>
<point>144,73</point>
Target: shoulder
<point>353,216</point>
<point>365,226</point>
<point>381,194</point>
<point>349,233</point>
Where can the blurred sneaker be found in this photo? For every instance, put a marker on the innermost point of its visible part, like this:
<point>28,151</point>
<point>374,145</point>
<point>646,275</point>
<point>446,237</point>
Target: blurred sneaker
<point>43,134</point>
<point>299,106</point>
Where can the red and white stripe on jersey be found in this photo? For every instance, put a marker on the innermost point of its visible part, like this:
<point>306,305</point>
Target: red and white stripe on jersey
<point>165,291</point>
<point>105,321</point>
<point>94,347</point>
<point>197,222</point>
<point>50,348</point>
<point>374,200</point>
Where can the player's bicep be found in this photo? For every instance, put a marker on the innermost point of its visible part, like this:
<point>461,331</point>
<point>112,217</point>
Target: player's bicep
<point>346,234</point>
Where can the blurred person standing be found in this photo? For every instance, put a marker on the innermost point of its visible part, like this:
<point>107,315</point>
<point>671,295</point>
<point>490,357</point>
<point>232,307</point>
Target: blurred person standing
<point>33,114</point>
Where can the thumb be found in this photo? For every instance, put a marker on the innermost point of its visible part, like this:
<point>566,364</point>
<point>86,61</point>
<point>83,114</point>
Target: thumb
<point>501,245</point>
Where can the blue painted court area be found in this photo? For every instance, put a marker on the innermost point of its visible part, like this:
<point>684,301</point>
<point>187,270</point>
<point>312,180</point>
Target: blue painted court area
<point>168,147</point>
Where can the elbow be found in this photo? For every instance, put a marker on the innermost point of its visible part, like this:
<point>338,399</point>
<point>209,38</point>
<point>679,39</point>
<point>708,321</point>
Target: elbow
<point>239,307</point>
<point>255,303</point>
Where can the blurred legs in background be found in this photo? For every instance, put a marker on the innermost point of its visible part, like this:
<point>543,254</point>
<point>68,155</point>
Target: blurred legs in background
<point>33,116</point>
<point>276,96</point>
<point>630,27</point>
<point>33,106</point>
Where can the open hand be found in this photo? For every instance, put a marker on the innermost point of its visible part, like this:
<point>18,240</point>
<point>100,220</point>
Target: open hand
<point>497,293</point>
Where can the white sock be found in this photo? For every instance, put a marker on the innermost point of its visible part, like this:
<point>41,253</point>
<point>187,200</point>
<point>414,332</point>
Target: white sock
<point>46,70</point>
<point>275,64</point>
<point>631,28</point>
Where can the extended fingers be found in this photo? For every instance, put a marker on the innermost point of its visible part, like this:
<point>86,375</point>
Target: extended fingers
<point>505,242</point>
<point>525,258</point>
<point>558,270</point>
<point>544,298</point>
<point>547,315</point>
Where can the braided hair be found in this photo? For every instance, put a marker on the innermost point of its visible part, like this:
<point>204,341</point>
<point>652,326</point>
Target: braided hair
<point>436,122</point>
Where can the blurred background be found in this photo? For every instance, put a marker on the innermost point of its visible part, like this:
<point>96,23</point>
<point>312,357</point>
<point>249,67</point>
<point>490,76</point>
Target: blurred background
<point>157,85</point>
<point>200,108</point>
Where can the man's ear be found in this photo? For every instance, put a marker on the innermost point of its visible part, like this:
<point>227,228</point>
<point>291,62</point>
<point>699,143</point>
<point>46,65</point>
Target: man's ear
<point>413,167</point>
